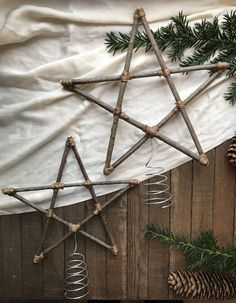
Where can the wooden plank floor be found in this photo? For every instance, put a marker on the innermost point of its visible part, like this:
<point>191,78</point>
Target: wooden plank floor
<point>204,198</point>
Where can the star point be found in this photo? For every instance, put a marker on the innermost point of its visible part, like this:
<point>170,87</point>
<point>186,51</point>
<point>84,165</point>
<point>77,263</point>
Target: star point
<point>126,76</point>
<point>72,227</point>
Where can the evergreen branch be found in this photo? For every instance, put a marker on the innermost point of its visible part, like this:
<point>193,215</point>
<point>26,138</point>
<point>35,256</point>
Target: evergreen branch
<point>203,253</point>
<point>210,41</point>
<point>230,94</point>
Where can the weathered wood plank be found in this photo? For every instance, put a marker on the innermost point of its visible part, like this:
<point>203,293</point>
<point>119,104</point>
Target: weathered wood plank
<point>158,267</point>
<point>96,255</point>
<point>74,214</point>
<point>203,195</point>
<point>181,190</point>
<point>224,197</point>
<point>117,265</point>
<point>32,274</point>
<point>1,267</point>
<point>11,257</point>
<point>137,250</point>
<point>140,270</point>
<point>53,267</point>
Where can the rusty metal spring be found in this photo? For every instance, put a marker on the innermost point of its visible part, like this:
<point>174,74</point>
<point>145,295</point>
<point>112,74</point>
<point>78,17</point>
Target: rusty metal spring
<point>76,283</point>
<point>156,189</point>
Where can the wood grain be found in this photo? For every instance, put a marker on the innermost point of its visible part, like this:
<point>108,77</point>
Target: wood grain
<point>203,195</point>
<point>11,257</point>
<point>224,198</point>
<point>204,198</point>
<point>117,265</point>
<point>96,255</point>
<point>53,266</point>
<point>158,267</point>
<point>181,190</point>
<point>1,255</point>
<point>137,250</point>
<point>32,274</point>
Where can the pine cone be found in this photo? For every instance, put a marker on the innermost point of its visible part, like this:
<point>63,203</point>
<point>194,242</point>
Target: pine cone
<point>231,153</point>
<point>202,285</point>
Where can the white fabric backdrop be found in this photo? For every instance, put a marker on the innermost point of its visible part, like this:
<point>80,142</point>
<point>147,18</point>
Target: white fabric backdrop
<point>45,41</point>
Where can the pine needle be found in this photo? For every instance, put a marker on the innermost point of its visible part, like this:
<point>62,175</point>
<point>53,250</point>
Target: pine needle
<point>202,254</point>
<point>210,41</point>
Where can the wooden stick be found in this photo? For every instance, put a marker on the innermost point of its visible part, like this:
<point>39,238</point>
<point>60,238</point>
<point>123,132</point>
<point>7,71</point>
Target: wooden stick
<point>87,235</point>
<point>47,250</point>
<point>27,202</point>
<point>157,73</point>
<point>169,116</point>
<point>139,125</point>
<point>169,80</point>
<point>54,196</point>
<point>36,207</point>
<point>123,84</point>
<point>73,227</point>
<point>68,185</point>
<point>193,95</point>
<point>102,243</point>
<point>92,191</point>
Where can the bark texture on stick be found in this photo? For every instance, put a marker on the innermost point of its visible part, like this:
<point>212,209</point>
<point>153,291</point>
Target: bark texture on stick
<point>71,226</point>
<point>165,71</point>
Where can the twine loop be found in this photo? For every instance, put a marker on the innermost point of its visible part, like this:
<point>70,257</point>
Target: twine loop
<point>134,182</point>
<point>114,250</point>
<point>57,185</point>
<point>165,72</point>
<point>73,227</point>
<point>98,209</point>
<point>180,104</point>
<point>117,111</point>
<point>50,213</point>
<point>203,160</point>
<point>222,65</point>
<point>140,12</point>
<point>70,141</point>
<point>108,169</point>
<point>8,191</point>
<point>38,258</point>
<point>67,84</point>
<point>152,130</point>
<point>125,76</point>
<point>87,183</point>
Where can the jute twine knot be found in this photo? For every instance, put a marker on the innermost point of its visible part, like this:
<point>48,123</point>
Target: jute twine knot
<point>38,258</point>
<point>70,141</point>
<point>203,160</point>
<point>57,185</point>
<point>134,182</point>
<point>87,183</point>
<point>165,72</point>
<point>114,250</point>
<point>180,104</point>
<point>222,65</point>
<point>67,84</point>
<point>117,111</point>
<point>8,191</point>
<point>97,209</point>
<point>50,213</point>
<point>108,169</point>
<point>73,227</point>
<point>152,130</point>
<point>140,12</point>
<point>125,76</point>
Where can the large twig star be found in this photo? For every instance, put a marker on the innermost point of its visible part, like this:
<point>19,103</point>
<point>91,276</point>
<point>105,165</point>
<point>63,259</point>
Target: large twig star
<point>58,185</point>
<point>150,131</point>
